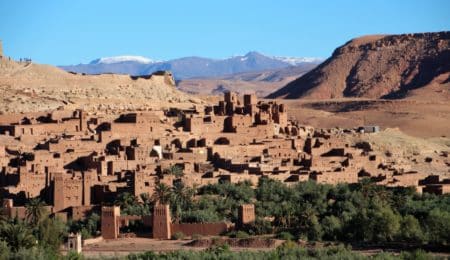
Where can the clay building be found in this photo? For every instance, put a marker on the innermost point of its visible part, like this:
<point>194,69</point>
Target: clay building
<point>77,161</point>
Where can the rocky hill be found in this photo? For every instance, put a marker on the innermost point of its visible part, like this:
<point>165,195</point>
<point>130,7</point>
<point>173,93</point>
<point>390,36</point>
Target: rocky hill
<point>28,87</point>
<point>379,66</point>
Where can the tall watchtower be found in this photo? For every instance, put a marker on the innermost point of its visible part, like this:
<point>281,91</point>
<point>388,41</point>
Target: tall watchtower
<point>161,222</point>
<point>246,214</point>
<point>110,224</point>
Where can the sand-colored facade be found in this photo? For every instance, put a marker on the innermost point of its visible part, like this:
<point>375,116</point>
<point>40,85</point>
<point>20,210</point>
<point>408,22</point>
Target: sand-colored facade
<point>76,161</point>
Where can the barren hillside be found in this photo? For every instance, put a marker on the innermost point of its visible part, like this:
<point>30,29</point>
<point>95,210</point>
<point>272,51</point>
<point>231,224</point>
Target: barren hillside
<point>28,87</point>
<point>260,82</point>
<point>380,66</point>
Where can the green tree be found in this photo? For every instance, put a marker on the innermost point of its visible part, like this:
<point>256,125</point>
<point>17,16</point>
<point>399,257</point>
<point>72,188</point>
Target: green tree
<point>386,224</point>
<point>51,233</point>
<point>35,211</point>
<point>308,223</point>
<point>359,227</point>
<point>162,193</point>
<point>174,170</point>
<point>270,195</point>
<point>18,236</point>
<point>410,229</point>
<point>332,227</point>
<point>93,223</point>
<point>4,250</point>
<point>72,255</point>
<point>438,226</point>
<point>125,200</point>
<point>88,227</point>
<point>130,205</point>
<point>314,230</point>
<point>181,199</point>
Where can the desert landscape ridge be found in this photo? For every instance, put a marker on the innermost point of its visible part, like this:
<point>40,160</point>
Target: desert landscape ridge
<point>380,66</point>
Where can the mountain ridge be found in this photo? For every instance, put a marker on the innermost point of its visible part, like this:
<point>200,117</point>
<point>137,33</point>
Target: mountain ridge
<point>190,67</point>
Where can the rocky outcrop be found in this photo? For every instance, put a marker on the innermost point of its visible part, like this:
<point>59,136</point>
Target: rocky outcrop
<point>378,66</point>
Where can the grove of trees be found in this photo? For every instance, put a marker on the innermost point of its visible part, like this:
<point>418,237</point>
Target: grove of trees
<point>37,237</point>
<point>362,213</point>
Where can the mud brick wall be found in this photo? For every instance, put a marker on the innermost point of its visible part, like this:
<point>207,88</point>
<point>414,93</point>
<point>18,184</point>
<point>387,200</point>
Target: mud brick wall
<point>206,229</point>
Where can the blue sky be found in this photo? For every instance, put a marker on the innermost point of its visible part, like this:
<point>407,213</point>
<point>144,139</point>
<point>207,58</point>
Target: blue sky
<point>71,32</point>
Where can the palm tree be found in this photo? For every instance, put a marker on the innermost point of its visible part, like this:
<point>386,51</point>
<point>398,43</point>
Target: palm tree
<point>175,170</point>
<point>35,211</point>
<point>125,200</point>
<point>18,236</point>
<point>286,214</point>
<point>162,193</point>
<point>304,218</point>
<point>128,203</point>
<point>181,198</point>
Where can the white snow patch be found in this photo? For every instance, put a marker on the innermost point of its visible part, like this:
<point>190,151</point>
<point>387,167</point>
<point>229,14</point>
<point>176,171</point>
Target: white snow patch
<point>124,58</point>
<point>297,60</point>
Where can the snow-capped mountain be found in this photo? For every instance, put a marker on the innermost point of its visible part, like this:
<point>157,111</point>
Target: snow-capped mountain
<point>125,58</point>
<point>189,67</point>
<point>294,61</point>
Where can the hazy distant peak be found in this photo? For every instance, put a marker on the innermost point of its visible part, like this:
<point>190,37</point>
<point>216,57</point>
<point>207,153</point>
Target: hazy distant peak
<point>189,67</point>
<point>294,61</point>
<point>253,53</point>
<point>243,57</point>
<point>124,58</point>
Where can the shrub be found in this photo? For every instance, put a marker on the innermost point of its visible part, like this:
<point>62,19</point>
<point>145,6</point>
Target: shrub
<point>196,236</point>
<point>332,227</point>
<point>417,254</point>
<point>72,255</point>
<point>4,250</point>
<point>238,234</point>
<point>438,227</point>
<point>285,236</point>
<point>178,236</point>
<point>219,249</point>
<point>259,227</point>
<point>288,245</point>
<point>242,234</point>
<point>145,255</point>
<point>410,229</point>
